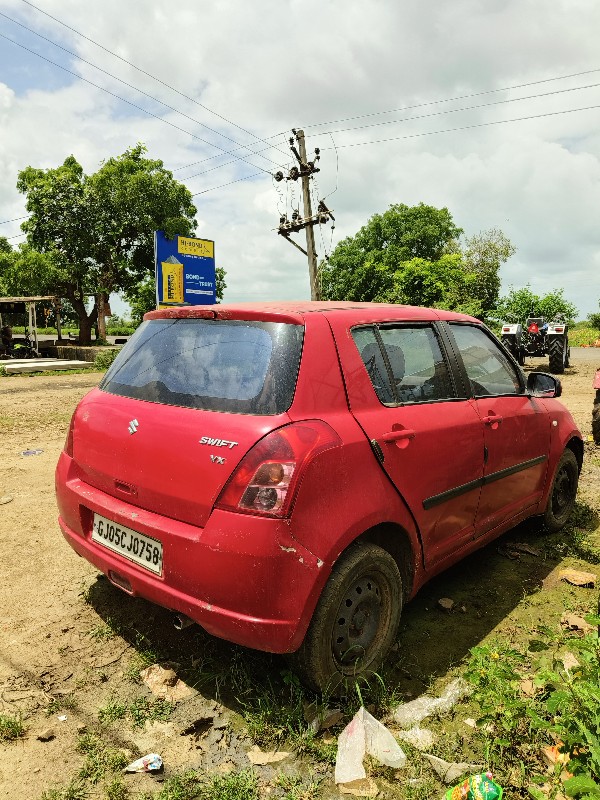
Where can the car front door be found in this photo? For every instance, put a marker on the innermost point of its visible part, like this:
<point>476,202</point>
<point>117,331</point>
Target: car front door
<point>428,439</point>
<point>516,429</point>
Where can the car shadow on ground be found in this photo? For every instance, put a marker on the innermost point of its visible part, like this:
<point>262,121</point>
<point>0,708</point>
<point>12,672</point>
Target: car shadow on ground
<point>486,588</point>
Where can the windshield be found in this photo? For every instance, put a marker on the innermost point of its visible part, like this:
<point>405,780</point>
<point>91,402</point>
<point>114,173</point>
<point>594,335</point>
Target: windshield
<point>217,365</point>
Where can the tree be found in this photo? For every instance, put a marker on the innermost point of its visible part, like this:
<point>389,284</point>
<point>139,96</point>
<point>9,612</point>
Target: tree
<point>594,320</point>
<point>362,267</point>
<point>483,255</point>
<point>97,230</point>
<point>519,304</point>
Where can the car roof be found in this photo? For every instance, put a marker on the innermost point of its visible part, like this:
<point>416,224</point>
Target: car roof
<point>295,311</point>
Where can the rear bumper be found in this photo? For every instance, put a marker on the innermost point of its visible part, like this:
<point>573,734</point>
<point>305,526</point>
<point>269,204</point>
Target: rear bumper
<point>242,578</point>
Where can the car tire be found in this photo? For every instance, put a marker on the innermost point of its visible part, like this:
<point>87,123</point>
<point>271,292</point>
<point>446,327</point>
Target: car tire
<point>557,354</point>
<point>596,423</point>
<point>563,493</point>
<point>355,622</point>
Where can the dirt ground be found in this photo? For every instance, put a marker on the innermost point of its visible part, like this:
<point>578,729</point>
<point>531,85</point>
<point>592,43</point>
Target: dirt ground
<point>70,643</point>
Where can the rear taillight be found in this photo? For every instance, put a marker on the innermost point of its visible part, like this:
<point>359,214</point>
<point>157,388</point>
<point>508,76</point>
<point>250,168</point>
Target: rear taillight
<point>505,329</point>
<point>267,478</point>
<point>68,448</point>
<point>558,329</point>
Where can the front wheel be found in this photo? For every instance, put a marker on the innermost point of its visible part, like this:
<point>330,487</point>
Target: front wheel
<point>596,423</point>
<point>563,493</point>
<point>355,622</point>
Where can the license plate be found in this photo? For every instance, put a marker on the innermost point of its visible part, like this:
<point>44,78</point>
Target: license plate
<point>137,547</point>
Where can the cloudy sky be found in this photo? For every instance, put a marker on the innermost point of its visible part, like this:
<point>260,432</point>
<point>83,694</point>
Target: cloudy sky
<point>488,107</point>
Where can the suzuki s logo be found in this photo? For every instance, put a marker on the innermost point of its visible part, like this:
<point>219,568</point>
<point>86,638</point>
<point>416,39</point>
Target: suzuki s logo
<point>133,426</point>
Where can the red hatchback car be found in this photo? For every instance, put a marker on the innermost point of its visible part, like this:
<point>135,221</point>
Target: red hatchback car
<point>287,475</point>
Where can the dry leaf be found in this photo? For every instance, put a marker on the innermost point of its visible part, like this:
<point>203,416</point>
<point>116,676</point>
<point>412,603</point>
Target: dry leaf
<point>527,687</point>
<point>578,578</point>
<point>569,661</point>
<point>523,547</point>
<point>162,681</point>
<point>575,623</point>
<point>363,787</point>
<point>260,759</point>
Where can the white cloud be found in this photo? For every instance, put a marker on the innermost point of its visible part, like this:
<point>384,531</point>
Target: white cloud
<point>268,66</point>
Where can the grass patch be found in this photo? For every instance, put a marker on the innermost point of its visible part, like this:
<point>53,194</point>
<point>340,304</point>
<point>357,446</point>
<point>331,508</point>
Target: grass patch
<point>11,728</point>
<point>191,785</point>
<point>65,703</point>
<point>100,759</point>
<point>561,703</point>
<point>116,790</point>
<point>74,791</point>
<point>138,711</point>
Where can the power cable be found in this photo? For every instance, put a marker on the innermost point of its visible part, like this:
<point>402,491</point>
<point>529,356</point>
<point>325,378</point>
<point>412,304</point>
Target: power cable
<point>212,188</point>
<point>452,99</point>
<point>129,102</point>
<point>148,74</point>
<point>464,127</point>
<point>16,219</point>
<point>465,108</point>
<point>137,89</point>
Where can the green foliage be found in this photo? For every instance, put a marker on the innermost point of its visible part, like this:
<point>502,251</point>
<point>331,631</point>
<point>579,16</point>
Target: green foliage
<point>413,255</point>
<point>571,710</point>
<point>11,728</point>
<point>594,320</point>
<point>362,267</point>
<point>519,304</point>
<point>565,708</point>
<point>104,359</point>
<point>94,233</point>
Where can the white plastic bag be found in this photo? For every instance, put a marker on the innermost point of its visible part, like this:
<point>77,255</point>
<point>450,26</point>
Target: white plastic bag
<point>409,714</point>
<point>364,734</point>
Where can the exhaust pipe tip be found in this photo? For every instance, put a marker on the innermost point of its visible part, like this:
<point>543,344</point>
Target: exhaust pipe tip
<point>180,621</point>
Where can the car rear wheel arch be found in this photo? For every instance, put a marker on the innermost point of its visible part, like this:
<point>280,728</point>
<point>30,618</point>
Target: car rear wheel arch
<point>392,538</point>
<point>576,445</point>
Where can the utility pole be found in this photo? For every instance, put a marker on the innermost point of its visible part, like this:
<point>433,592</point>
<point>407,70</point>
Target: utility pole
<point>304,170</point>
<point>315,289</point>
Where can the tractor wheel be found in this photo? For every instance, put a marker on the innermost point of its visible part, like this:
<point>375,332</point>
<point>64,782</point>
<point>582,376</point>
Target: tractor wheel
<point>596,423</point>
<point>557,353</point>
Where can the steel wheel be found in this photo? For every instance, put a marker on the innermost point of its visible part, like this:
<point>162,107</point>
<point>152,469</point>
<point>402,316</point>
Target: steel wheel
<point>563,493</point>
<point>355,622</point>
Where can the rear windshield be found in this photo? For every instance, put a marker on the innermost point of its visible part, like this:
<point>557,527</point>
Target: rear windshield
<point>217,365</point>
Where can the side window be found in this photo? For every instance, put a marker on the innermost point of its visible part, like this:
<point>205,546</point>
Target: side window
<point>370,352</point>
<point>488,369</point>
<point>410,369</point>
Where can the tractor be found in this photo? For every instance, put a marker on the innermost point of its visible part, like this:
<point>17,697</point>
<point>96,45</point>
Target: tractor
<point>538,339</point>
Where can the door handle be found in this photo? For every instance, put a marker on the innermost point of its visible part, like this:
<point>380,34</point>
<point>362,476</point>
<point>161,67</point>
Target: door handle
<point>493,420</point>
<point>394,436</point>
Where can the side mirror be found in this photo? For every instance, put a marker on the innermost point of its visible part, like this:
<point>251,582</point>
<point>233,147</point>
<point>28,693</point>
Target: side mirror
<point>540,384</point>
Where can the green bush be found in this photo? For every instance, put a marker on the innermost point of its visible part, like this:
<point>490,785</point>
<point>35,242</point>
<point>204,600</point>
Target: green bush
<point>105,359</point>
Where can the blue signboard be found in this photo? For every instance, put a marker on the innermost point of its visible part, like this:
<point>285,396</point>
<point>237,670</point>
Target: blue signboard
<point>185,271</point>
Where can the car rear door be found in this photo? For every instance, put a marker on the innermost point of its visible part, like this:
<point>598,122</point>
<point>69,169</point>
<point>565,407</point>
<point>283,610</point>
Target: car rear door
<point>516,429</point>
<point>428,439</point>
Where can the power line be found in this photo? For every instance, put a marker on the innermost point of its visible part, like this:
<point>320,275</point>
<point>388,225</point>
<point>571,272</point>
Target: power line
<point>465,108</point>
<point>212,188</point>
<point>452,99</point>
<point>16,219</point>
<point>148,74</point>
<point>464,127</point>
<point>137,89</point>
<point>129,102</point>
